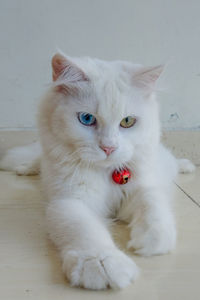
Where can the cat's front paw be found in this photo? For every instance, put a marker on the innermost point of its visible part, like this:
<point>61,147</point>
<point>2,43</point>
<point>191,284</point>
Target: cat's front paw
<point>156,240</point>
<point>109,269</point>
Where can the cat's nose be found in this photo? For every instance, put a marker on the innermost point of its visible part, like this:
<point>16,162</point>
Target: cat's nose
<point>107,150</point>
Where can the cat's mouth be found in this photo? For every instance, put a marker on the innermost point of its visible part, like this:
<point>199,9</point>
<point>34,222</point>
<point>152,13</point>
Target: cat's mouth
<point>99,160</point>
<point>97,157</point>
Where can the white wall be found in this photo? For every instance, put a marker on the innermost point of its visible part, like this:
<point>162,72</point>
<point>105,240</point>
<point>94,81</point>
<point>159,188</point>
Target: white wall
<point>145,31</point>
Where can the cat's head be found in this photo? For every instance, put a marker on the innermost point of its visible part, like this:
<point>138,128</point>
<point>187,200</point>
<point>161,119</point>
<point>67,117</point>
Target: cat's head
<point>103,112</point>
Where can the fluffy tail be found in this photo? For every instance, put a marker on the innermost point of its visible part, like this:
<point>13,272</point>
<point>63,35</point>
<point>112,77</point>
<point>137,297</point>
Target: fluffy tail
<point>22,160</point>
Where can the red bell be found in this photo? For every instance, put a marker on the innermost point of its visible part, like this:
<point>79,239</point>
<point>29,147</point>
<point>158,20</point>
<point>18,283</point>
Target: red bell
<point>121,177</point>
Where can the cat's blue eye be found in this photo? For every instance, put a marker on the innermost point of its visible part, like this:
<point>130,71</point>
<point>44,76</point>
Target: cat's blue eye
<point>86,118</point>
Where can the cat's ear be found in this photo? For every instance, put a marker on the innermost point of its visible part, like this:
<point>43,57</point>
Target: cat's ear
<point>146,78</point>
<point>65,72</point>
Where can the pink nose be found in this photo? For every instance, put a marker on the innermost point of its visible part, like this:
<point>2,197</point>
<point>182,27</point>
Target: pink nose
<point>108,150</point>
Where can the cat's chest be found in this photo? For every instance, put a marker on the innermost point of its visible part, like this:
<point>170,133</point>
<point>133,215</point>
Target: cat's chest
<point>105,185</point>
<point>121,186</point>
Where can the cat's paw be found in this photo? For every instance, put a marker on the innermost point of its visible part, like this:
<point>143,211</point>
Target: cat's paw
<point>156,240</point>
<point>109,269</point>
<point>27,170</point>
<point>185,166</point>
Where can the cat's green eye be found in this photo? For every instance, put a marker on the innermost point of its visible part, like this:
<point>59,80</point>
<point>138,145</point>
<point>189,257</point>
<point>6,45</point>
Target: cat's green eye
<point>128,122</point>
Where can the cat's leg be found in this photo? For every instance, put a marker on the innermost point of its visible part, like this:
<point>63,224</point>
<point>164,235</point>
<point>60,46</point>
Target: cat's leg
<point>89,256</point>
<point>185,165</point>
<point>24,160</point>
<point>153,229</point>
<point>30,168</point>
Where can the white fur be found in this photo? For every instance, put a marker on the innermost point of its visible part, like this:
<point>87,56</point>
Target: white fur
<point>185,166</point>
<point>76,173</point>
<point>24,160</point>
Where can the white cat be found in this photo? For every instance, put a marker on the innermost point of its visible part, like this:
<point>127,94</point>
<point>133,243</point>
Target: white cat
<point>99,117</point>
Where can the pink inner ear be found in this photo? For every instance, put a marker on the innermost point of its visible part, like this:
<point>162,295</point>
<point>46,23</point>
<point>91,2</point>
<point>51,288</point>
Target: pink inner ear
<point>146,78</point>
<point>65,72</point>
<point>59,63</point>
